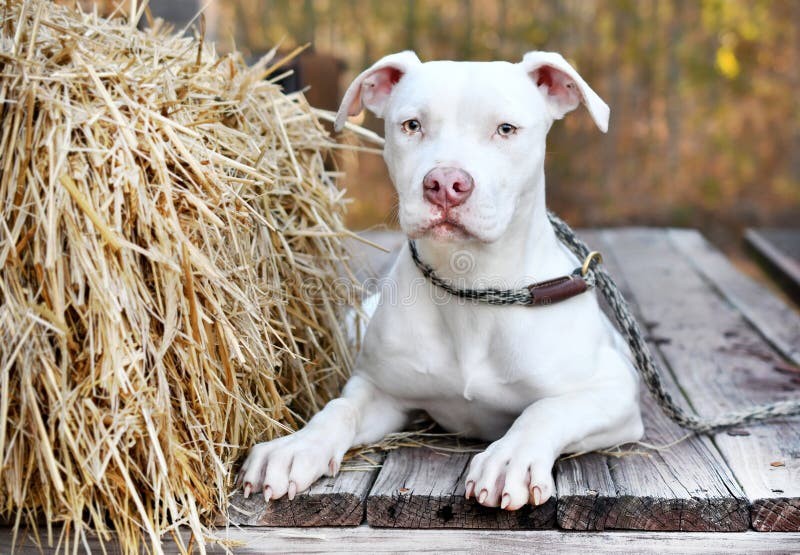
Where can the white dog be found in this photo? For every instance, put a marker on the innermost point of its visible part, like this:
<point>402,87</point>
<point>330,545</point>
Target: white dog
<point>465,146</point>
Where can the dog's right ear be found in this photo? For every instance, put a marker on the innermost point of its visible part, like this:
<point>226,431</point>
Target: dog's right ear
<point>372,88</point>
<point>563,88</point>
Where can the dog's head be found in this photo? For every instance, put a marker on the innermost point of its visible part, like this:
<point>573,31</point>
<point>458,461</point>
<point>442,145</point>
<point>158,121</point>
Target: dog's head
<point>465,141</point>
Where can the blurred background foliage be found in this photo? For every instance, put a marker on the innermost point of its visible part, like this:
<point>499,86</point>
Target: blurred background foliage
<point>705,128</point>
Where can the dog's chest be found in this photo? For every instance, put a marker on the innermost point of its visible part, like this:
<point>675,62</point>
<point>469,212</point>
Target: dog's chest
<point>474,374</point>
<point>477,355</point>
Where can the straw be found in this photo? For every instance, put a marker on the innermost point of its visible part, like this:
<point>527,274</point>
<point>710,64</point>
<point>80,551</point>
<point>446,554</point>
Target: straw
<point>163,211</point>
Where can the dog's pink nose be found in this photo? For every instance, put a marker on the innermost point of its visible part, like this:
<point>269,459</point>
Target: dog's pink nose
<point>447,187</point>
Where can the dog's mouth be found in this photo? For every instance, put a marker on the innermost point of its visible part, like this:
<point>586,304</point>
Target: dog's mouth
<point>446,229</point>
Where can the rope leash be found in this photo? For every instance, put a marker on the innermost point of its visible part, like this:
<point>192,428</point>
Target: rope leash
<point>644,359</point>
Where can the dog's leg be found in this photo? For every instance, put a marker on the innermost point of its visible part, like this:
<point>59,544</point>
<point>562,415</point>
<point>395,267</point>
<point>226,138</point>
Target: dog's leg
<point>517,468</point>
<point>292,463</point>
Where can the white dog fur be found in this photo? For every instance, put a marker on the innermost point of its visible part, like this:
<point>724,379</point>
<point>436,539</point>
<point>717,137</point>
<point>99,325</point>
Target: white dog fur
<point>538,381</point>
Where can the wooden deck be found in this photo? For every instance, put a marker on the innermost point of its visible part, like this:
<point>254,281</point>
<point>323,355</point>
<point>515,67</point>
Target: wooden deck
<point>726,343</point>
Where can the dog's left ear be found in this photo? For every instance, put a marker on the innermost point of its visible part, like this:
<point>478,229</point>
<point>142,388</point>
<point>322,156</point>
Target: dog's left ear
<point>373,87</point>
<point>563,88</point>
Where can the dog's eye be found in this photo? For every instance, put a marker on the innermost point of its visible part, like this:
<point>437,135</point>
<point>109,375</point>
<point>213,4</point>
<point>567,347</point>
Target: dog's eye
<point>506,129</point>
<point>411,126</point>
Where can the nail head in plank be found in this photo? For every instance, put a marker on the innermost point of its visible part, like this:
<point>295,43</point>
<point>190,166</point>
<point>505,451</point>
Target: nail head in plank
<point>723,365</point>
<point>337,501</point>
<point>424,488</point>
<point>686,486</point>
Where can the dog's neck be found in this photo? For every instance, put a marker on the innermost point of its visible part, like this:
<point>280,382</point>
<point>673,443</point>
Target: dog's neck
<point>528,249</point>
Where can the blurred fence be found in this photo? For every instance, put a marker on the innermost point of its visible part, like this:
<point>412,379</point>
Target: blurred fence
<point>705,126</point>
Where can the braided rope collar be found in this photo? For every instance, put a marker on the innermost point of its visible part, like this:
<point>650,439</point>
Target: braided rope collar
<point>542,293</point>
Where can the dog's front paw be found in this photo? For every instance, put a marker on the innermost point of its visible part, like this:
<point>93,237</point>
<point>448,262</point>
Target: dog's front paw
<point>290,464</point>
<point>511,473</point>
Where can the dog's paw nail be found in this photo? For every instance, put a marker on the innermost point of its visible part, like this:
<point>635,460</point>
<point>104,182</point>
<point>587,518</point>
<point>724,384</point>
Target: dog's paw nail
<point>247,489</point>
<point>506,501</point>
<point>333,467</point>
<point>537,495</point>
<point>267,494</point>
<point>482,497</point>
<point>470,489</point>
<point>292,490</point>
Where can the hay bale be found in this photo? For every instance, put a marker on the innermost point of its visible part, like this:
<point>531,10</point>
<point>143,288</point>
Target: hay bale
<point>168,232</point>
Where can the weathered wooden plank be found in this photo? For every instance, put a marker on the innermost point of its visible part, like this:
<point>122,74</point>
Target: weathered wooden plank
<point>777,322</point>
<point>685,486</point>
<point>586,492</point>
<point>722,364</point>
<point>785,239</point>
<point>657,490</point>
<point>365,540</point>
<point>424,488</point>
<point>338,501</point>
<point>780,249</point>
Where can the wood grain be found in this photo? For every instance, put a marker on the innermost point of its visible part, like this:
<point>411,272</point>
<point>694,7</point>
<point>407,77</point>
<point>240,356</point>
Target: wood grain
<point>338,501</point>
<point>365,540</point>
<point>777,322</point>
<point>722,363</point>
<point>424,488</point>
<point>686,486</point>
